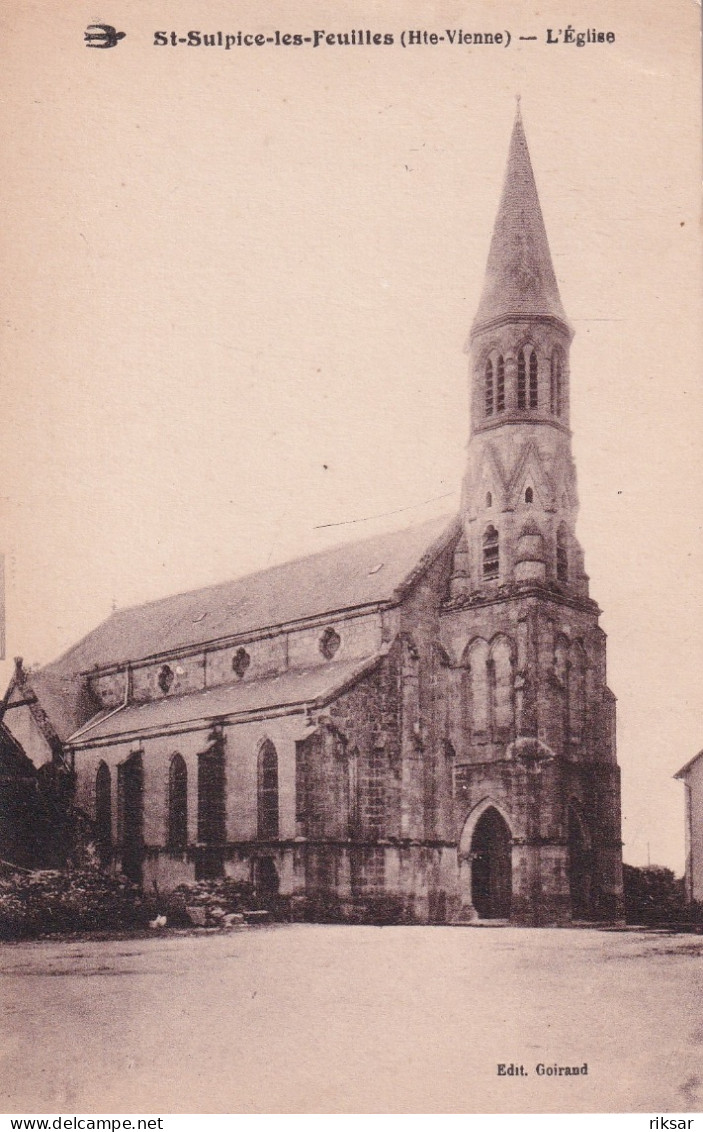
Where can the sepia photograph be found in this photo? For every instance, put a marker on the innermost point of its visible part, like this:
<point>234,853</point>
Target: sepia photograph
<point>351,558</point>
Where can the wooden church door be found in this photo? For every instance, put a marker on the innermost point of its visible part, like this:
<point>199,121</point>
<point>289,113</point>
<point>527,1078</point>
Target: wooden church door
<point>491,867</point>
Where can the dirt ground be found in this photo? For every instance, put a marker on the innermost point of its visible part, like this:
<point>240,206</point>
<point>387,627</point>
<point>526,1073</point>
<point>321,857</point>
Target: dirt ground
<point>334,1019</point>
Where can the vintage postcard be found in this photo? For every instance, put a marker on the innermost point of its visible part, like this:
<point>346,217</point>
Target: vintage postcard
<point>351,545</point>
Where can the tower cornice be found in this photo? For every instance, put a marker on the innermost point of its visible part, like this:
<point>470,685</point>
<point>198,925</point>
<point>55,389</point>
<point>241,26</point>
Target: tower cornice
<point>514,318</point>
<point>520,417</point>
<point>520,592</point>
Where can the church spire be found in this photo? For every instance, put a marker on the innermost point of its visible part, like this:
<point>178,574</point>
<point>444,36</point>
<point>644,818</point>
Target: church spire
<point>520,280</point>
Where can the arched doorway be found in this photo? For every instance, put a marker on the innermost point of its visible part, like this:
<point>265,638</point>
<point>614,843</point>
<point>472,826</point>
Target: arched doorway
<point>491,866</point>
<point>579,867</point>
<point>266,880</point>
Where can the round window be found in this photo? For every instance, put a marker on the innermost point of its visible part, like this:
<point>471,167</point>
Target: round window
<point>329,643</point>
<point>240,662</point>
<point>166,678</point>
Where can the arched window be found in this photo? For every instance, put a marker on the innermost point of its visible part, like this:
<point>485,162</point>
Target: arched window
<point>502,674</point>
<point>533,380</point>
<point>529,495</point>
<point>130,815</point>
<point>103,807</point>
<point>562,555</point>
<point>491,556</point>
<point>479,687</point>
<point>500,384</point>
<point>489,388</point>
<point>489,499</point>
<point>527,378</point>
<point>521,381</point>
<point>177,803</point>
<point>211,792</point>
<point>555,384</point>
<point>268,791</point>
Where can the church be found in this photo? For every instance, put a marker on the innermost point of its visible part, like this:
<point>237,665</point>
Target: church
<point>415,727</point>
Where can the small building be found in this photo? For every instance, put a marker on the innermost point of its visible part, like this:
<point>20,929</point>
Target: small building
<point>37,822</point>
<point>692,777</point>
<point>18,799</point>
<point>38,819</point>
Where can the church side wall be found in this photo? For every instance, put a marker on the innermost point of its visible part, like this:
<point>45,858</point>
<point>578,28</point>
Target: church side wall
<point>266,655</point>
<point>167,867</point>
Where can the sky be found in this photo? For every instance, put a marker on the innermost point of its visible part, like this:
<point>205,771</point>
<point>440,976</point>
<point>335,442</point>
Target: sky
<point>238,284</point>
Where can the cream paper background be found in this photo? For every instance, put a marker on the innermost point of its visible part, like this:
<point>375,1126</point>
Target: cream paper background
<point>236,286</point>
<point>235,290</point>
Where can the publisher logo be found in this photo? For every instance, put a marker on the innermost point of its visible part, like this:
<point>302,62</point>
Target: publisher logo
<point>102,35</point>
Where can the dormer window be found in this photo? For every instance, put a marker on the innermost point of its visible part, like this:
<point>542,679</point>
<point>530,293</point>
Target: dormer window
<point>529,495</point>
<point>491,558</point>
<point>489,388</point>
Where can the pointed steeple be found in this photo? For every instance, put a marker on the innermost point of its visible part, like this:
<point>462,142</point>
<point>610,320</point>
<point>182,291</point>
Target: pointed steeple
<point>520,280</point>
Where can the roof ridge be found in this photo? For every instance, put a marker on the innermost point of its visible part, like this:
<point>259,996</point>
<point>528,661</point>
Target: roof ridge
<point>257,603</point>
<point>276,566</point>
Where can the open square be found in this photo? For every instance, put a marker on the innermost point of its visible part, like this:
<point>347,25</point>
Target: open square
<point>338,1019</point>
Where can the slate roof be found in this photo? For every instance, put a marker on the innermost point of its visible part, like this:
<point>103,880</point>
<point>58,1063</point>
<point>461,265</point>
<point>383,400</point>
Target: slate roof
<point>520,279</point>
<point>303,686</point>
<point>65,699</point>
<point>362,573</point>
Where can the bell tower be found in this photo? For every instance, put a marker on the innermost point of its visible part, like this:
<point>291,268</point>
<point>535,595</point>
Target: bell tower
<point>519,498</point>
<point>533,718</point>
